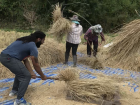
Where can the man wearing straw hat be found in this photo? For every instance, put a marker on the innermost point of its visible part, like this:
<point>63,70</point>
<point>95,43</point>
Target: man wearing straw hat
<point>73,39</point>
<point>11,58</point>
<point>92,37</point>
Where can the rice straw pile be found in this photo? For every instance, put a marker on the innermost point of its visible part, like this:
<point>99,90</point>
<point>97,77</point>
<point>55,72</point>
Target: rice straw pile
<point>51,52</point>
<point>88,90</point>
<point>60,26</point>
<point>125,52</point>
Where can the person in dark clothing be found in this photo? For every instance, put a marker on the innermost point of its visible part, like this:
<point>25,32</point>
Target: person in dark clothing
<point>11,58</point>
<point>92,37</point>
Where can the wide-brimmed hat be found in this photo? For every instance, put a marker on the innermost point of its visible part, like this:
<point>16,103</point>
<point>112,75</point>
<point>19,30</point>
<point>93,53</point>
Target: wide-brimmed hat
<point>97,28</point>
<point>74,18</point>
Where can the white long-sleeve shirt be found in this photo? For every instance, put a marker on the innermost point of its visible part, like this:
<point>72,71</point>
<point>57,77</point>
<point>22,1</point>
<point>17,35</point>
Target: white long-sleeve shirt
<point>75,33</point>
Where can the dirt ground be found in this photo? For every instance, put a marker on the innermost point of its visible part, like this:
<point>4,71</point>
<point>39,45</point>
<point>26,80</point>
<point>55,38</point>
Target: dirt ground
<point>55,94</point>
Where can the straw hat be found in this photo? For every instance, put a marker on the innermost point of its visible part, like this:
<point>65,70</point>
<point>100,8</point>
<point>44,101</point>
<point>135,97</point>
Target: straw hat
<point>74,18</point>
<point>97,28</point>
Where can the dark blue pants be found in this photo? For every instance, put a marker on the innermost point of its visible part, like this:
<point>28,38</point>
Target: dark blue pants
<point>95,47</point>
<point>22,75</point>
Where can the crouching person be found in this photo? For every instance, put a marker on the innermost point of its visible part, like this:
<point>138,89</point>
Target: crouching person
<point>92,37</point>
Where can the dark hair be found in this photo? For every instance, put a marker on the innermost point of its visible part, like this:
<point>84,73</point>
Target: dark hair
<point>32,37</point>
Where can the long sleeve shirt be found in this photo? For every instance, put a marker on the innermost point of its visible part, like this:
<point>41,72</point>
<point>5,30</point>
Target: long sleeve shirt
<point>92,36</point>
<point>75,33</point>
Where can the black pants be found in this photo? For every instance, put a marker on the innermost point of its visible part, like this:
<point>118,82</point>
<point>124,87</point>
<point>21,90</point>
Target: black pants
<point>22,75</point>
<point>73,46</point>
<point>95,47</point>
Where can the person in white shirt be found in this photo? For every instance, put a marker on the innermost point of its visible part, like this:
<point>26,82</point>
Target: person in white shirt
<point>73,39</point>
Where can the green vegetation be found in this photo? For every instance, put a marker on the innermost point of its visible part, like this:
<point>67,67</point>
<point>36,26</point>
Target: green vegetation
<point>111,14</point>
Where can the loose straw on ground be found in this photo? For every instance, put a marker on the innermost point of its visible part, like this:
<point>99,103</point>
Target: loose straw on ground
<point>93,62</point>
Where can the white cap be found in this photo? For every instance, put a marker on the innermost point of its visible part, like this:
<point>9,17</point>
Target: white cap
<point>97,28</point>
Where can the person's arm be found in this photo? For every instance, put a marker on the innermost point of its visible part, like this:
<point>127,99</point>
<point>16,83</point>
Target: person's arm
<point>38,68</point>
<point>102,38</point>
<point>34,59</point>
<point>28,66</point>
<point>86,34</point>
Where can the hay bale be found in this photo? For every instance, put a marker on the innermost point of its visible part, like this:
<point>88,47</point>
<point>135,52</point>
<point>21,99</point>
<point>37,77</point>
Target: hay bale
<point>88,90</point>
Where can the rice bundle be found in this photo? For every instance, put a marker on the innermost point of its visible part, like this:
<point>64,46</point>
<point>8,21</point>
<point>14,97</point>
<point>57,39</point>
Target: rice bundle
<point>126,50</point>
<point>88,90</point>
<point>60,26</point>
<point>92,62</point>
<point>68,74</point>
<point>57,13</point>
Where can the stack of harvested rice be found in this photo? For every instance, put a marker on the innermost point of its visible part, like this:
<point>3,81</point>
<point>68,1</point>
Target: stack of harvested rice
<point>125,52</point>
<point>51,52</point>
<point>60,26</point>
<point>88,90</point>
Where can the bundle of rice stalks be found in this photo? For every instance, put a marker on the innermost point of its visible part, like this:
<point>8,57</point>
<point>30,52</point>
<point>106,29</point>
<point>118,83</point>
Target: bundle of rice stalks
<point>60,26</point>
<point>57,13</point>
<point>92,62</point>
<point>68,74</point>
<point>88,90</point>
<point>126,50</point>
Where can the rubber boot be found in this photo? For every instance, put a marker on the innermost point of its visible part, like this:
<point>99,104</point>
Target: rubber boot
<point>74,60</point>
<point>66,58</point>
